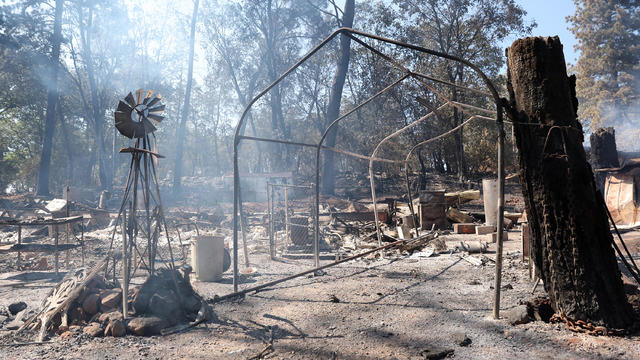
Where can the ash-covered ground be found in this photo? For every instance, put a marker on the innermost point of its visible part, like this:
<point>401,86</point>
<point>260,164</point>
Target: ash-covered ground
<point>387,305</point>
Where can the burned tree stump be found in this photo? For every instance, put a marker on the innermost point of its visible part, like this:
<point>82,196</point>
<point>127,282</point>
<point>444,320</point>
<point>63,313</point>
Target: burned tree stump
<point>603,153</point>
<point>571,239</point>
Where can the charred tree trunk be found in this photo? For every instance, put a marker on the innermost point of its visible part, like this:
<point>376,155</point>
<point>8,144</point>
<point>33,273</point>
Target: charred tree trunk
<point>67,144</point>
<point>335,98</point>
<point>438,162</point>
<point>458,139</point>
<point>52,98</point>
<point>571,239</point>
<point>603,153</point>
<point>278,153</point>
<point>456,75</point>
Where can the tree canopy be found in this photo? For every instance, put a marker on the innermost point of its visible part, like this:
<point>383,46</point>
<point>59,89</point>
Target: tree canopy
<point>608,69</point>
<point>108,48</point>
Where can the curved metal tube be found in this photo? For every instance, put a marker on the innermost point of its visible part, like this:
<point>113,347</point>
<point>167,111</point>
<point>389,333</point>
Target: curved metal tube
<point>480,92</point>
<point>432,89</point>
<point>448,132</point>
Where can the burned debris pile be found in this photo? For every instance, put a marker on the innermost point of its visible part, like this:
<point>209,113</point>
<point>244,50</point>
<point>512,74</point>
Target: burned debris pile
<point>454,220</point>
<point>84,302</point>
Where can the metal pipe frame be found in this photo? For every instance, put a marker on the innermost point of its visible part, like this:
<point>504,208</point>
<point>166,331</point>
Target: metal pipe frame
<point>336,150</point>
<point>434,111</point>
<point>448,101</point>
<point>352,33</point>
<point>501,136</point>
<point>292,186</point>
<point>464,88</point>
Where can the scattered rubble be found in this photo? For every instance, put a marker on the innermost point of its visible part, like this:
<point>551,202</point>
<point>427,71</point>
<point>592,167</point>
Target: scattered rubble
<point>348,229</point>
<point>517,315</point>
<point>461,339</point>
<point>83,298</point>
<point>16,307</point>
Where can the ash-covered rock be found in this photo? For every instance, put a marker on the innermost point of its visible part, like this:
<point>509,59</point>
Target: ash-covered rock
<point>168,295</point>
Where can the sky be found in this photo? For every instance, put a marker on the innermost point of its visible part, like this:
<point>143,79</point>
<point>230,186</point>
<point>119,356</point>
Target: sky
<point>550,16</point>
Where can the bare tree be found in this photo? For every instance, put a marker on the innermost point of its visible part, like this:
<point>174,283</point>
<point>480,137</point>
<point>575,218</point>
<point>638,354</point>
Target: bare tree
<point>229,52</point>
<point>96,107</point>
<point>267,38</point>
<point>52,98</point>
<point>335,98</point>
<point>177,172</point>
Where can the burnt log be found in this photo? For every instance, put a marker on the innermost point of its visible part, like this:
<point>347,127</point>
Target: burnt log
<point>571,240</point>
<point>603,153</point>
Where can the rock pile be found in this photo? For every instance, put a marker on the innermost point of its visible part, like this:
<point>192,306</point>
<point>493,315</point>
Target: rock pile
<point>165,301</point>
<point>97,309</point>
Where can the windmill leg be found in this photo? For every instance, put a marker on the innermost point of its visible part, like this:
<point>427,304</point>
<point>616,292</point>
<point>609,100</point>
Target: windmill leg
<point>125,275</point>
<point>123,203</point>
<point>133,221</point>
<point>161,213</point>
<point>151,240</point>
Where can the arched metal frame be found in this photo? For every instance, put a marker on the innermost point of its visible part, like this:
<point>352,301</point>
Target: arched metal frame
<point>319,146</point>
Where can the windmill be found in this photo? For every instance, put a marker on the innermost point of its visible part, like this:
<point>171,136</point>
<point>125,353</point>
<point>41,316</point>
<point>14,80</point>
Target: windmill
<point>140,217</point>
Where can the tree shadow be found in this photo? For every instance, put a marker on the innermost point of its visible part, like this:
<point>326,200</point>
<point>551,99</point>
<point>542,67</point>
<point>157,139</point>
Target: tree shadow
<point>242,279</point>
<point>33,276</point>
<point>324,280</point>
<point>512,340</point>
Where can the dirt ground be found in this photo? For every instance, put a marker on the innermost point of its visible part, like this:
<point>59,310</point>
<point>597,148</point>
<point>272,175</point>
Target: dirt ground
<point>388,307</point>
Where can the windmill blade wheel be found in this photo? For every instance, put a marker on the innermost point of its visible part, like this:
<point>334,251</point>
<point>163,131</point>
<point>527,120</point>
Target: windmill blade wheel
<point>136,116</point>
